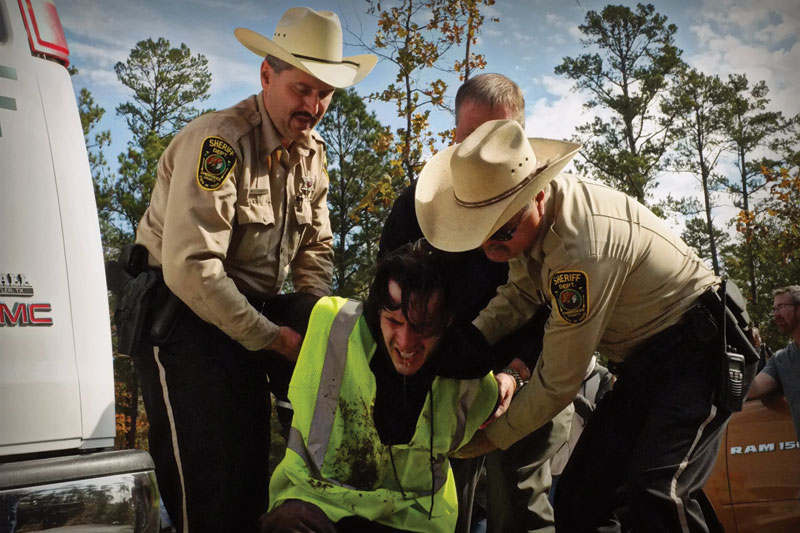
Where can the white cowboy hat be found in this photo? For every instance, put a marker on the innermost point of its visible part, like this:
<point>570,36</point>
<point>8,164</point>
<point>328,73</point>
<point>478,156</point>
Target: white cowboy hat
<point>468,191</point>
<point>311,41</point>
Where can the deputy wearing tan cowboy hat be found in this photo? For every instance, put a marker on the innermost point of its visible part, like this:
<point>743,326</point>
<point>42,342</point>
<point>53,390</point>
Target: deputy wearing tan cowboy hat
<point>618,281</point>
<point>239,203</point>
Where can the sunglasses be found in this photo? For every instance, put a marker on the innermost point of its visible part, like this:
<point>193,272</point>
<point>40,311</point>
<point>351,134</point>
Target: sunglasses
<point>506,232</point>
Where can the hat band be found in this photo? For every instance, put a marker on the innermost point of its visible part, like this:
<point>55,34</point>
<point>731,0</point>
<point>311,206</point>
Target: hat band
<point>502,195</point>
<point>328,61</point>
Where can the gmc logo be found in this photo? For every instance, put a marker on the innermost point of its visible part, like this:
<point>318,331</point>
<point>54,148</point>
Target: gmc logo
<point>24,314</point>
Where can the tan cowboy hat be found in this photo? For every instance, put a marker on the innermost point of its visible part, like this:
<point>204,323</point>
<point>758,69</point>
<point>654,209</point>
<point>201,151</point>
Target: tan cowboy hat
<point>311,41</point>
<point>468,191</point>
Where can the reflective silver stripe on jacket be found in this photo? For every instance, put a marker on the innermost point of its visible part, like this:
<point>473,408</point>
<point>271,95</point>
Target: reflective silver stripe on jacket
<point>328,394</point>
<point>328,400</point>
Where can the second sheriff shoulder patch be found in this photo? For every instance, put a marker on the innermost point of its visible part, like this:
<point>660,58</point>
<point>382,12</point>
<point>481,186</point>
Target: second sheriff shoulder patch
<point>217,159</point>
<point>570,292</point>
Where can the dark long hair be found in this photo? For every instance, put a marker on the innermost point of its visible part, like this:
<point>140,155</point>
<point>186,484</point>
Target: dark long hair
<point>418,269</point>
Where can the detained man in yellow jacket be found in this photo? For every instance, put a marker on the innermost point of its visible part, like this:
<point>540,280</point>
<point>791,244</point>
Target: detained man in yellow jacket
<point>374,415</point>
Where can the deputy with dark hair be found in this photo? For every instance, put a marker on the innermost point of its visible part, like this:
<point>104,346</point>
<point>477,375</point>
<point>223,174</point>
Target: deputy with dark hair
<point>239,203</point>
<point>619,281</point>
<point>375,418</point>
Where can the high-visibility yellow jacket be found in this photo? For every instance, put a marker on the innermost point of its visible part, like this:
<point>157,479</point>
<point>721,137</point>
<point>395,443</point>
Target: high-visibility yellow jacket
<point>335,458</point>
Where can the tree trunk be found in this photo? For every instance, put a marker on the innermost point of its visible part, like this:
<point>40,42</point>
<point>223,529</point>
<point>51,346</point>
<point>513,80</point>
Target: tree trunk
<point>705,172</point>
<point>748,233</point>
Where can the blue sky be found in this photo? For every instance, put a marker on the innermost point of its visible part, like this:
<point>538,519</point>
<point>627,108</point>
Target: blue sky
<point>759,39</point>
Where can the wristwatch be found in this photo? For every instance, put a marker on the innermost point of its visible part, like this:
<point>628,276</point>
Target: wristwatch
<point>514,374</point>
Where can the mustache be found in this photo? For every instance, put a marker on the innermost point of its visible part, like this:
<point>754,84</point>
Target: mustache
<point>304,114</point>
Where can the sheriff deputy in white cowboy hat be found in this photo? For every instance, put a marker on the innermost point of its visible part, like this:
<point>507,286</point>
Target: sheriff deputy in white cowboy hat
<point>240,201</point>
<point>619,281</point>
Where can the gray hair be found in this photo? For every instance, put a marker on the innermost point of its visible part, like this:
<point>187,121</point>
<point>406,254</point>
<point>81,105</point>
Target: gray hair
<point>791,290</point>
<point>491,90</point>
<point>277,65</point>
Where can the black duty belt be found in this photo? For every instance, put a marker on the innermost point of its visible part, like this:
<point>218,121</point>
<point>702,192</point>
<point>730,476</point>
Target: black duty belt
<point>696,327</point>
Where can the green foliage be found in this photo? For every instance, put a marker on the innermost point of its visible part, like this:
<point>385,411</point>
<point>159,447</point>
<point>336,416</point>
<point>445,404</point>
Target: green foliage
<point>749,127</point>
<point>774,241</point>
<point>633,62</point>
<point>102,177</point>
<point>696,235</point>
<point>165,83</point>
<point>699,140</point>
<point>360,192</point>
<point>416,36</point>
<point>130,194</point>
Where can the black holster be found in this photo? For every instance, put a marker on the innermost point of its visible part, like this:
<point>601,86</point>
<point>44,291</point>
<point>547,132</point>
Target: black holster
<point>130,315</point>
<point>142,299</point>
<point>133,284</point>
<point>738,358</point>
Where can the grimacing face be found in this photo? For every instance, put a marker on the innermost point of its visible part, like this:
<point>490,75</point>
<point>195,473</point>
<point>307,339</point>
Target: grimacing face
<point>409,343</point>
<point>294,100</point>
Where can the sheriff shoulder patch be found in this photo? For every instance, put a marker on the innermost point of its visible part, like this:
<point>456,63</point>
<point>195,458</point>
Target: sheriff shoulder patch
<point>571,295</point>
<point>217,159</point>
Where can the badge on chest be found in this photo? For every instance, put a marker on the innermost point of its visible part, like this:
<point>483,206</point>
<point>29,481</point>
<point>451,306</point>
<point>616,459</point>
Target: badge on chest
<point>306,188</point>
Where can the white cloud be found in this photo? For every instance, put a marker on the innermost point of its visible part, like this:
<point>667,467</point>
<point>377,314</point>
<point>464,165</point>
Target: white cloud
<point>250,10</point>
<point>755,39</point>
<point>747,18</point>
<point>233,75</point>
<point>575,32</point>
<point>557,115</point>
<point>119,26</point>
<point>521,37</point>
<point>104,78</point>
<point>101,56</point>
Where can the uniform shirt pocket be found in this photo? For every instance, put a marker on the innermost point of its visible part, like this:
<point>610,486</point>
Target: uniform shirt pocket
<point>302,212</point>
<point>254,241</point>
<point>255,213</point>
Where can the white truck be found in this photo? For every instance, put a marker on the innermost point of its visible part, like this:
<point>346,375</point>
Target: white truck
<point>58,468</point>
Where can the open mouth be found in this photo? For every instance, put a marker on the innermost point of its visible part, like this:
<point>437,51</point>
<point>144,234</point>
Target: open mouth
<point>407,359</point>
<point>406,355</point>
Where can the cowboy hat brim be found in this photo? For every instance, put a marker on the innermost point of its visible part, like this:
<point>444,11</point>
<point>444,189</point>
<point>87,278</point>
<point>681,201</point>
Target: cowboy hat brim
<point>350,71</point>
<point>451,227</point>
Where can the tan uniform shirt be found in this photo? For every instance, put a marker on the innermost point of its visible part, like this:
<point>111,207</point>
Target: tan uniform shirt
<point>615,274</point>
<point>232,212</point>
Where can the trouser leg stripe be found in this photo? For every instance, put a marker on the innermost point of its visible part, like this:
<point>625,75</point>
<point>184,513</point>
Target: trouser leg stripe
<point>673,491</point>
<point>162,374</point>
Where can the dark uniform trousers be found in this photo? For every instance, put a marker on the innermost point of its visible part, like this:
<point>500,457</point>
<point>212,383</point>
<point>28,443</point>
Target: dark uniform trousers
<point>518,482</point>
<point>207,401</point>
<point>658,433</point>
